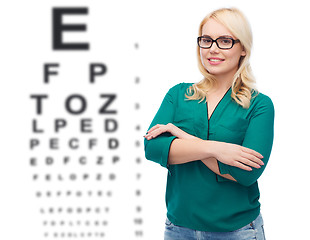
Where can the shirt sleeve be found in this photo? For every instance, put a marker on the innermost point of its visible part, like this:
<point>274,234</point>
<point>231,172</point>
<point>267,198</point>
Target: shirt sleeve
<point>157,149</point>
<point>259,137</point>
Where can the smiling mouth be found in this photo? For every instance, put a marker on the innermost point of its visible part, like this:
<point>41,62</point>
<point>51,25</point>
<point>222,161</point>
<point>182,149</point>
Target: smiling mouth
<point>215,60</point>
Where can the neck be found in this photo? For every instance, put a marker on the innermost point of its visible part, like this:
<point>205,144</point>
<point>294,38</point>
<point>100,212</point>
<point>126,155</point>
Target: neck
<point>224,82</point>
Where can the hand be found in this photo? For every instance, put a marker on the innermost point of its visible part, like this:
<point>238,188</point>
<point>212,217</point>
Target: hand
<point>237,156</point>
<point>174,130</point>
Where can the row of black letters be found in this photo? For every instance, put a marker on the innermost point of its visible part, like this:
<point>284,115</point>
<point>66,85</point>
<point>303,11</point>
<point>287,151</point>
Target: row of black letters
<point>72,177</point>
<point>71,193</point>
<point>67,161</point>
<point>104,108</point>
<point>86,125</point>
<point>72,143</point>
<point>80,235</point>
<point>88,223</point>
<point>71,210</point>
<point>62,223</point>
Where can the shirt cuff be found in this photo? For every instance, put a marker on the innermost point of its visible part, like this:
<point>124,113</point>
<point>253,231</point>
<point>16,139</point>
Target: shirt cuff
<point>223,168</point>
<point>165,151</point>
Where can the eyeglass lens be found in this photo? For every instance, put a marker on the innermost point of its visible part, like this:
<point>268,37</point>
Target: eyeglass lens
<point>224,43</point>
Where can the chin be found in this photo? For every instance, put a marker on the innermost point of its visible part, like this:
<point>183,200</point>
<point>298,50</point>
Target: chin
<point>214,72</point>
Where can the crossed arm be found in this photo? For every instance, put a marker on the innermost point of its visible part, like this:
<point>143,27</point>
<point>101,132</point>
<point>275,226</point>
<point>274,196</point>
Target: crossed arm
<point>187,148</point>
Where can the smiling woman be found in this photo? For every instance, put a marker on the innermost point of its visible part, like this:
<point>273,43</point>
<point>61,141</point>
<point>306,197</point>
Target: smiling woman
<point>215,138</point>
<point>232,26</point>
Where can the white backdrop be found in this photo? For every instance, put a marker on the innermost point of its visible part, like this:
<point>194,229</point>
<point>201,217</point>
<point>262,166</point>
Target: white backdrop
<point>147,46</point>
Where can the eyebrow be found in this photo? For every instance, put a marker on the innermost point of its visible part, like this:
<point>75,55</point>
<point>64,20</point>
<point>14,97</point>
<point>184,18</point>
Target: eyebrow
<point>218,37</point>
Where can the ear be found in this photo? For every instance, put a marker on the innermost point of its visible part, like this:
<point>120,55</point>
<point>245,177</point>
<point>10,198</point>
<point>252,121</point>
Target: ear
<point>243,53</point>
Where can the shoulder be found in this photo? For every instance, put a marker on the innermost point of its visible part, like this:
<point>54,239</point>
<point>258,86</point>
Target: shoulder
<point>261,99</point>
<point>179,88</point>
<point>261,103</point>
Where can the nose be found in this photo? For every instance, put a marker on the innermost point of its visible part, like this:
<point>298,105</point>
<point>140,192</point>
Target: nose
<point>214,48</point>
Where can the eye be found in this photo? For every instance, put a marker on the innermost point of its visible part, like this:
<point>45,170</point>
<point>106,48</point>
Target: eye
<point>206,40</point>
<point>225,41</point>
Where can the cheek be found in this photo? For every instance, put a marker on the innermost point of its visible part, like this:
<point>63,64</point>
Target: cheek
<point>235,55</point>
<point>234,59</point>
<point>203,57</point>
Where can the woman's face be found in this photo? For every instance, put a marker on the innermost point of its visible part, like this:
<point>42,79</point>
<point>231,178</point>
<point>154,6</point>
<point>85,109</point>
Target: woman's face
<point>220,62</point>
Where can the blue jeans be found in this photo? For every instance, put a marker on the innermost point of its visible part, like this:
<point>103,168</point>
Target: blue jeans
<point>252,231</point>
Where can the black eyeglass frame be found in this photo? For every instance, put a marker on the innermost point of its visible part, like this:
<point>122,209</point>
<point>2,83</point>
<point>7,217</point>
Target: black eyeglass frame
<point>233,42</point>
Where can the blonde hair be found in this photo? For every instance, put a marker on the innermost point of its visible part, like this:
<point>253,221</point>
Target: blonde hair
<point>243,84</point>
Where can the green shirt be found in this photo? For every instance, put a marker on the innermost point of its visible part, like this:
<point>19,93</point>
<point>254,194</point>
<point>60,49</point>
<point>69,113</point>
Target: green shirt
<point>196,197</point>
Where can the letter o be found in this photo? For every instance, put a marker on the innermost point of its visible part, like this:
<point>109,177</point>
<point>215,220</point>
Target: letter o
<point>79,98</point>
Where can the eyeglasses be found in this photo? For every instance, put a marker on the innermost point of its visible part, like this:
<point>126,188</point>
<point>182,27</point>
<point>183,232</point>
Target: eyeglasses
<point>221,42</point>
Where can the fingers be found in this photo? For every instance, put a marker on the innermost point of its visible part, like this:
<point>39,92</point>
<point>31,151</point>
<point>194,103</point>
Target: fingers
<point>249,163</point>
<point>155,131</point>
<point>252,160</point>
<point>153,134</point>
<point>154,128</point>
<point>242,166</point>
<point>251,151</point>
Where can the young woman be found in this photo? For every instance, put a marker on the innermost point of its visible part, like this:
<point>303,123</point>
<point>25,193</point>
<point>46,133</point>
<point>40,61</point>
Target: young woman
<point>215,138</point>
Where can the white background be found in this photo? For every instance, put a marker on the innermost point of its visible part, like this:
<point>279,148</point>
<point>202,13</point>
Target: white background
<point>166,32</point>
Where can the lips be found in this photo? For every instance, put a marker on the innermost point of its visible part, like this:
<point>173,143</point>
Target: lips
<point>215,61</point>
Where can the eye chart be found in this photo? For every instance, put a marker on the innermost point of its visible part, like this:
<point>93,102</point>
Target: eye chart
<point>78,121</point>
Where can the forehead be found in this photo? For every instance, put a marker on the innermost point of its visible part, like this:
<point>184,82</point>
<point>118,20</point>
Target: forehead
<point>215,29</point>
